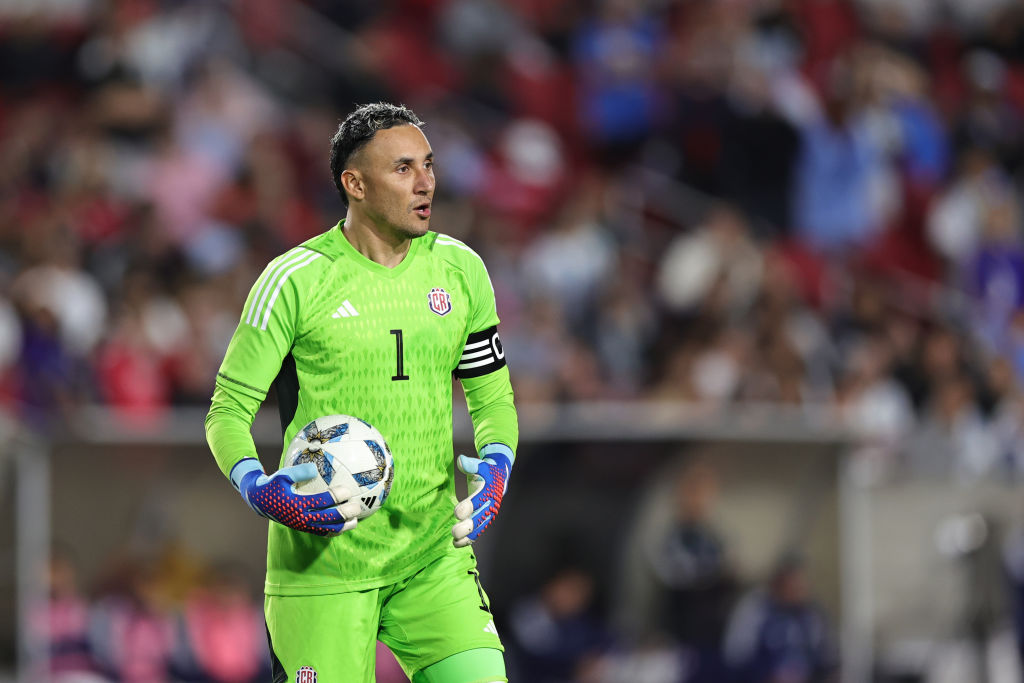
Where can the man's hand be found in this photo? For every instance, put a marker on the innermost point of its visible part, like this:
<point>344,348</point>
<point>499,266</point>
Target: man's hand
<point>274,497</point>
<point>488,481</point>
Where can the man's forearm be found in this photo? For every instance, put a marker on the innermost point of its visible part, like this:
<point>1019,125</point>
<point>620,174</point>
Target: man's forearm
<point>491,406</point>
<point>228,427</point>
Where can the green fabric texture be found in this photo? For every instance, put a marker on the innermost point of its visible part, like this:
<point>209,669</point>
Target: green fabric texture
<point>227,427</point>
<point>341,318</point>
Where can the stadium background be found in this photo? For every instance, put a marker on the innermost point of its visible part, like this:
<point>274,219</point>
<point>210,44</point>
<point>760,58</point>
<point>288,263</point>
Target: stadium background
<point>760,269</point>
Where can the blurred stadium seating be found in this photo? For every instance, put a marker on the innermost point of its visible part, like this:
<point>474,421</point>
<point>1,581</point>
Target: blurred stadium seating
<point>760,267</point>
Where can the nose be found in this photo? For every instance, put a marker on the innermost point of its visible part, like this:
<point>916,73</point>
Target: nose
<point>424,182</point>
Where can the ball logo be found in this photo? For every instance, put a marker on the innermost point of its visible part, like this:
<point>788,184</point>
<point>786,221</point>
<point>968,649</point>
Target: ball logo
<point>440,301</point>
<point>306,674</point>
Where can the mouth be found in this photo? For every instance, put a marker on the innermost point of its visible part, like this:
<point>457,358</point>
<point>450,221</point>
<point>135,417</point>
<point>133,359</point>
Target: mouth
<point>422,210</point>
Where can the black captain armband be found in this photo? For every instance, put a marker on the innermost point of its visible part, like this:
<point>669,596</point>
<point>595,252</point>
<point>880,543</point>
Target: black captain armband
<point>482,354</point>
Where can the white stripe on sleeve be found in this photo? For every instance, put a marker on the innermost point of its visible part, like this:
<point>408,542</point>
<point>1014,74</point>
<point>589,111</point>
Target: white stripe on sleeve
<point>280,283</point>
<point>261,294</point>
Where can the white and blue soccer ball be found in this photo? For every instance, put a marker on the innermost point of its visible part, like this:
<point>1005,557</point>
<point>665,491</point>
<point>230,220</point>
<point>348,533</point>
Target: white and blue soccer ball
<point>346,451</point>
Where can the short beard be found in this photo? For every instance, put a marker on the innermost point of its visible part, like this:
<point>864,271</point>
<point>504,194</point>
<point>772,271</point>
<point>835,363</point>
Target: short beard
<point>411,235</point>
<point>399,231</point>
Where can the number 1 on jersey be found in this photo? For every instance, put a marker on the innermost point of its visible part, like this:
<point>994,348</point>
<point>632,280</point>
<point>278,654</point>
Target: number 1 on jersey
<point>400,374</point>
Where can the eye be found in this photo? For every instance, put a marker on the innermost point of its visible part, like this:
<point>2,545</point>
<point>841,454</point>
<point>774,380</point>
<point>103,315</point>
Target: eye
<point>403,168</point>
<point>430,165</point>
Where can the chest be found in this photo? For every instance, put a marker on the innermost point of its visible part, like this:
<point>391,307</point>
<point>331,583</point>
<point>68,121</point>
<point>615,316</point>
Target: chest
<point>366,323</point>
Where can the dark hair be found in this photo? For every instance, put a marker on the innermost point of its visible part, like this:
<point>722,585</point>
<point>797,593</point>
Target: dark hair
<point>359,128</point>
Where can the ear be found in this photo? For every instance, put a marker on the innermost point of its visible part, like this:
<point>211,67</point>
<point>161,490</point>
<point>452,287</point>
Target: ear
<point>352,181</point>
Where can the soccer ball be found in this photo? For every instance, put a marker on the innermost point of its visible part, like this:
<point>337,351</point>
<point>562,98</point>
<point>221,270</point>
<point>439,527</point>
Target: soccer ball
<point>348,451</point>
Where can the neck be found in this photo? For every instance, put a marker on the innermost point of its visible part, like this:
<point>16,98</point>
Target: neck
<point>375,243</point>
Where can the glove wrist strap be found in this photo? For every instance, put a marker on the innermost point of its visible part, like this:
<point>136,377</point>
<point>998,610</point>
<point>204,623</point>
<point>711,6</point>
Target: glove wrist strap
<point>498,449</point>
<point>241,469</point>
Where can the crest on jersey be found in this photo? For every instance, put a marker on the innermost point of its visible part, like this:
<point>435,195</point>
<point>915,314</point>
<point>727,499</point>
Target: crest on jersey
<point>306,674</point>
<point>440,301</point>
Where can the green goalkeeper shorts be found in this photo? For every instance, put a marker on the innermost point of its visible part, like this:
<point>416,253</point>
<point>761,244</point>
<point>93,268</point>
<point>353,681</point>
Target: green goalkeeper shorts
<point>439,611</point>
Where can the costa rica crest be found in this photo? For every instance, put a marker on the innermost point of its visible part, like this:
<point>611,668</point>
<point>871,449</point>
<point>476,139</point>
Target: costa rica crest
<point>306,674</point>
<point>440,301</point>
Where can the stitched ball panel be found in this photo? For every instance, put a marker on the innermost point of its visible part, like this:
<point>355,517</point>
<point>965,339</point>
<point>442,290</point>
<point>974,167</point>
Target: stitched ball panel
<point>348,453</point>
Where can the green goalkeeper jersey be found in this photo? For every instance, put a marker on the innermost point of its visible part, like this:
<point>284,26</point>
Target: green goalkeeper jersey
<point>336,333</point>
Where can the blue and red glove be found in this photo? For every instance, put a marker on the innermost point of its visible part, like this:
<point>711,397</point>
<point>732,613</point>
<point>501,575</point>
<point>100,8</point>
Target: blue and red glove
<point>488,481</point>
<point>274,497</point>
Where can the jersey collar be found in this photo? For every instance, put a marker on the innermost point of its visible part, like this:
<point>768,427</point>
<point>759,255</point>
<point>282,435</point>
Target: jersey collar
<point>373,266</point>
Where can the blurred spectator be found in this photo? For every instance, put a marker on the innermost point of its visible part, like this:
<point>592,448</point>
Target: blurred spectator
<point>130,630</point>
<point>760,142</point>
<point>128,370</point>
<point>62,624</point>
<point>572,283</point>
<point>527,178</point>
<point>903,121</point>
<point>995,271</point>
<point>538,346</point>
<point>615,52</point>
<point>840,172</point>
<point>939,356</point>
<point>988,119</point>
<point>953,438</point>
<point>624,327</point>
<point>73,299</point>
<point>222,635</point>
<point>62,313</point>
<point>958,217</point>
<point>874,405</point>
<point>716,263</point>
<point>554,635</point>
<point>697,583</point>
<point>718,370</point>
<point>778,634</point>
<point>1007,416</point>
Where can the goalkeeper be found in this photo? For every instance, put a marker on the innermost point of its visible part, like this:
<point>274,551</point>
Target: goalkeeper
<point>373,318</point>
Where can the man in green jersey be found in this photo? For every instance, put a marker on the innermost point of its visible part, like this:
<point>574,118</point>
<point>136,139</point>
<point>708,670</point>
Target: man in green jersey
<point>373,318</point>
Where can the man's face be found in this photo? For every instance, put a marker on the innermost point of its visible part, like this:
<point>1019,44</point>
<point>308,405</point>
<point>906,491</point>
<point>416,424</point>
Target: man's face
<point>397,172</point>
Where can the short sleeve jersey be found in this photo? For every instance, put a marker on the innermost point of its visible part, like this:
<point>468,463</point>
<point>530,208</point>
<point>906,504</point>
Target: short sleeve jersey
<point>340,334</point>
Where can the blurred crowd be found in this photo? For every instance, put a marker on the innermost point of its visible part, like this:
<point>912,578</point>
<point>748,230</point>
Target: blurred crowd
<point>152,621</point>
<point>803,202</point>
<point>694,618</point>
<point>158,617</point>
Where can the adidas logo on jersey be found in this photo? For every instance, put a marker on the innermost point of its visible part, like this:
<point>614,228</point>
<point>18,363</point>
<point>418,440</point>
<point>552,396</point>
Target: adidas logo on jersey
<point>345,310</point>
<point>491,628</point>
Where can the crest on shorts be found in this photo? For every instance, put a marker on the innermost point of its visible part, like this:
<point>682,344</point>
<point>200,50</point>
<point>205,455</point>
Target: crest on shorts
<point>440,301</point>
<point>305,674</point>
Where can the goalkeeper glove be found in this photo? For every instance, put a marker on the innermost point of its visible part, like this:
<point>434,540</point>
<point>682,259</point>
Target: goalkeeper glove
<point>488,481</point>
<point>274,497</point>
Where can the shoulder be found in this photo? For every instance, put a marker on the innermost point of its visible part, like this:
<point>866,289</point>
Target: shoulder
<point>311,256</point>
<point>323,244</point>
<point>297,264</point>
<point>453,251</point>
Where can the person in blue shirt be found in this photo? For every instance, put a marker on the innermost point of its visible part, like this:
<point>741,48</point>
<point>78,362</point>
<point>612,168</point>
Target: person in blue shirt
<point>779,634</point>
